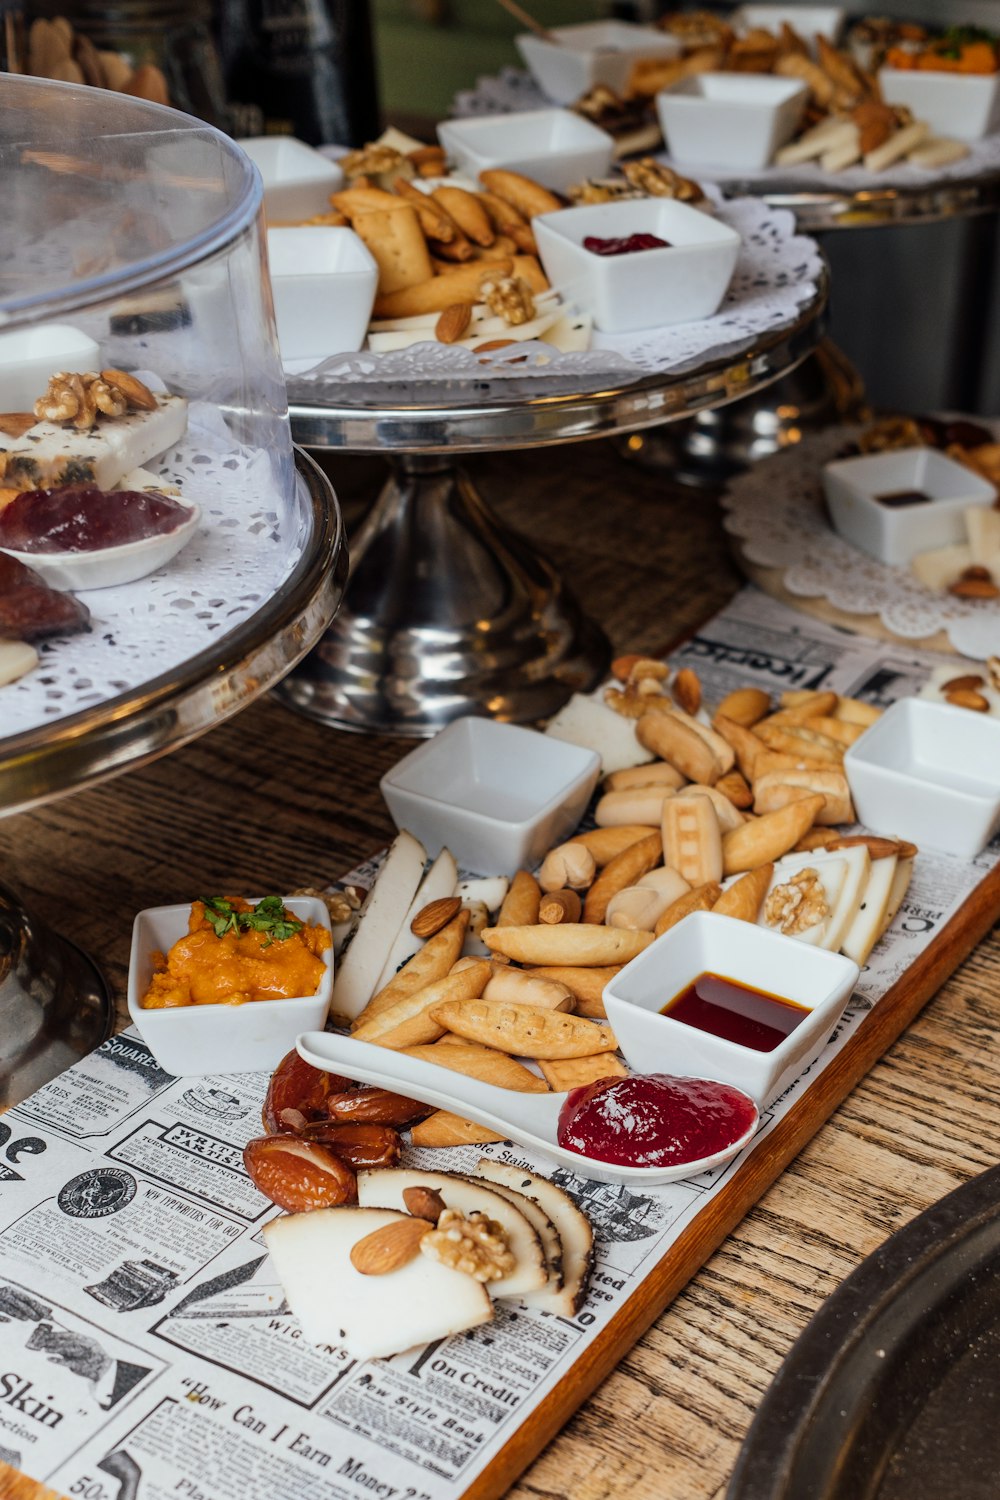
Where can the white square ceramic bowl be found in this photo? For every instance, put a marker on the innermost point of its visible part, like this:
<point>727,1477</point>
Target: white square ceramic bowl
<point>554,146</point>
<point>496,795</point>
<point>953,104</point>
<point>29,356</point>
<point>594,52</point>
<point>199,1039</point>
<point>324,283</point>
<point>896,533</point>
<point>648,288</point>
<point>298,181</point>
<point>730,119</point>
<point>809,21</point>
<point>929,772</point>
<point>704,943</point>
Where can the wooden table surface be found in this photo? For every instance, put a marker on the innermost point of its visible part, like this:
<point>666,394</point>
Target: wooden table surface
<point>271,800</point>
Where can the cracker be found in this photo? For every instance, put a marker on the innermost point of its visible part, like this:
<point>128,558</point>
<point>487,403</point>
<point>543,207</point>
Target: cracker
<point>395,238</point>
<point>565,1073</point>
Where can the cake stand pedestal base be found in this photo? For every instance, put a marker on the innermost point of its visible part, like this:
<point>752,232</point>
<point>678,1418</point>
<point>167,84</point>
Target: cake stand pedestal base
<point>447,613</point>
<point>54,1004</point>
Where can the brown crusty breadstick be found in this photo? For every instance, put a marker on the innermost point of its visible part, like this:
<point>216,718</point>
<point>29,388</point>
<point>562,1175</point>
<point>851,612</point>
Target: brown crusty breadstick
<point>746,706</point>
<point>578,944</point>
<point>460,284</point>
<point>778,788</point>
<point>734,786</point>
<point>605,843</point>
<point>446,1129</point>
<point>703,898</point>
<point>524,1030</point>
<point>672,740</point>
<point>526,195</point>
<point>746,746</point>
<point>652,773</point>
<point>743,898</point>
<point>624,870</point>
<point>433,961</point>
<point>519,907</point>
<point>768,838</point>
<point>467,212</point>
<point>408,1023</point>
<point>485,1063</point>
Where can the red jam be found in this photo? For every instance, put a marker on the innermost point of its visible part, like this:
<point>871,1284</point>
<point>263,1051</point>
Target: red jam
<point>83,518</point>
<point>654,1120</point>
<point>736,1012</point>
<point>624,244</point>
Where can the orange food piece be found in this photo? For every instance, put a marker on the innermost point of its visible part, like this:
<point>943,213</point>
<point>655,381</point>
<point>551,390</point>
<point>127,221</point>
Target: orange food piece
<point>299,1176</point>
<point>202,969</point>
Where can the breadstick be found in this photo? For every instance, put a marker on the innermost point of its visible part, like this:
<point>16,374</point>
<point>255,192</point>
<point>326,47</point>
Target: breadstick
<point>692,839</point>
<point>672,740</point>
<point>586,985</point>
<point>768,838</point>
<point>528,989</point>
<point>605,843</point>
<point>560,906</point>
<point>746,746</point>
<point>719,747</point>
<point>396,240</point>
<point>798,739</point>
<point>408,1022</point>
<point>565,1073</point>
<point>519,907</point>
<point>938,151</point>
<point>459,248</point>
<point>362,200</point>
<point>622,871</point>
<point>433,961</point>
<point>742,899</point>
<point>467,212</point>
<point>734,786</point>
<point>485,1063</point>
<point>836,729</point>
<point>509,222</point>
<point>433,220</point>
<point>778,788</point>
<point>529,268</point>
<point>446,1129</point>
<point>897,146</point>
<point>729,817</point>
<point>526,195</point>
<point>653,773</point>
<point>745,706</point>
<point>523,1030</point>
<point>701,899</point>
<point>853,711</point>
<point>578,944</point>
<point>644,805</point>
<point>570,865</point>
<point>460,284</point>
<point>810,706</point>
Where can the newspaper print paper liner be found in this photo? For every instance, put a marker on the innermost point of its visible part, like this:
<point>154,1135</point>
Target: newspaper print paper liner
<point>776,274</point>
<point>244,549</point>
<point>778,512</point>
<point>512,90</point>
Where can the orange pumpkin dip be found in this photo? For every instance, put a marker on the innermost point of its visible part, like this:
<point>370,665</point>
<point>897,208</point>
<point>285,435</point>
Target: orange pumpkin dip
<point>242,964</point>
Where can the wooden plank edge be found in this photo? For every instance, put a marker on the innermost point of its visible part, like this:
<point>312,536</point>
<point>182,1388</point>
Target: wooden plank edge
<point>885,1023</point>
<point>17,1486</point>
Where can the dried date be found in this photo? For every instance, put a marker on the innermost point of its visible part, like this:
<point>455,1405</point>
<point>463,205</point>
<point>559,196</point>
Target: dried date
<point>298,1175</point>
<point>376,1107</point>
<point>360,1145</point>
<point>297,1086</point>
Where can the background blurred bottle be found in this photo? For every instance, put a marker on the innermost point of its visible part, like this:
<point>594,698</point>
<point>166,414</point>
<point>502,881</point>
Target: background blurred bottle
<point>300,67</point>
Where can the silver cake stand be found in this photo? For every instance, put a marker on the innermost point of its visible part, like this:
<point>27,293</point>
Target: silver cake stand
<point>447,612</point>
<point>54,1003</point>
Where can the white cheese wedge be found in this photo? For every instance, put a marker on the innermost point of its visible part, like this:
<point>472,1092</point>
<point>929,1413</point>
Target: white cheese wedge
<point>489,889</point>
<point>869,924</point>
<point>543,1226</point>
<point>52,454</point>
<point>437,885</point>
<point>584,721</point>
<point>379,922</point>
<point>145,479</point>
<point>571,334</point>
<point>574,1228</point>
<point>897,891</point>
<point>832,874</point>
<point>17,658</point>
<point>982,523</point>
<point>371,1316</point>
<point>384,1188</point>
<point>936,569</point>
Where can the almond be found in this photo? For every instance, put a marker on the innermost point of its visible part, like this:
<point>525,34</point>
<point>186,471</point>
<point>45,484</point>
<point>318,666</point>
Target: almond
<point>435,916</point>
<point>621,667</point>
<point>494,344</point>
<point>453,322</point>
<point>424,1203</point>
<point>15,424</point>
<point>687,690</point>
<point>135,393</point>
<point>966,698</point>
<point>389,1248</point>
<point>959,684</point>
<point>993,667</point>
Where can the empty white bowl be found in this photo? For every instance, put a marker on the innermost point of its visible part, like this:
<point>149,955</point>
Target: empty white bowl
<point>809,21</point>
<point>730,119</point>
<point>496,795</point>
<point>929,772</point>
<point>896,533</point>
<point>29,356</point>
<point>324,283</point>
<point>646,288</point>
<point>554,146</point>
<point>199,1039</point>
<point>819,982</point>
<point>104,567</point>
<point>964,105</point>
<point>298,181</point>
<point>594,52</point>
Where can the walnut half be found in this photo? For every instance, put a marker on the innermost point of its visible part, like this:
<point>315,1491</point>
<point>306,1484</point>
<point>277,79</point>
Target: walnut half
<point>798,904</point>
<point>476,1245</point>
<point>80,399</point>
<point>510,298</point>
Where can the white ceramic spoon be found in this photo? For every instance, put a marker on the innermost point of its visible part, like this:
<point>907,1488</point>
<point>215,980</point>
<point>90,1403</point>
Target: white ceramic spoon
<point>529,1119</point>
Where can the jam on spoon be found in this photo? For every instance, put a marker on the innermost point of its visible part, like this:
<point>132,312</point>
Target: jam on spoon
<point>83,518</point>
<point>624,244</point>
<point>654,1120</point>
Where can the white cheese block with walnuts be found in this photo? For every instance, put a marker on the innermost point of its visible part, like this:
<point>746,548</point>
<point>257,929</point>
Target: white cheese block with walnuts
<point>53,453</point>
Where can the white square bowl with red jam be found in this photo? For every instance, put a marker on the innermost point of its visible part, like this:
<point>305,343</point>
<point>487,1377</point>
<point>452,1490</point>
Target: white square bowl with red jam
<point>235,1035</point>
<point>718,998</point>
<point>641,263</point>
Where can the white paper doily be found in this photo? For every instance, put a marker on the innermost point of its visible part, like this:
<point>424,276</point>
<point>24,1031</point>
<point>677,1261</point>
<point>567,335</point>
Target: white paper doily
<point>776,274</point>
<point>513,90</point>
<point>246,546</point>
<point>778,512</point>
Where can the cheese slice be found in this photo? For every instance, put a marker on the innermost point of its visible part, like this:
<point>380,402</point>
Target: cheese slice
<point>437,885</point>
<point>832,874</point>
<point>381,918</point>
<point>936,569</point>
<point>587,722</point>
<point>982,522</point>
<point>898,889</point>
<point>869,924</point>
<point>571,334</point>
<point>52,454</point>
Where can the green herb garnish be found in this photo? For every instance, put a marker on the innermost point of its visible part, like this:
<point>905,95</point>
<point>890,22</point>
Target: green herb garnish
<point>268,916</point>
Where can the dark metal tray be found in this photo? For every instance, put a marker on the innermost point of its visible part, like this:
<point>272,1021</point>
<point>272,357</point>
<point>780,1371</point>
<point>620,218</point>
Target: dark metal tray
<point>892,1392</point>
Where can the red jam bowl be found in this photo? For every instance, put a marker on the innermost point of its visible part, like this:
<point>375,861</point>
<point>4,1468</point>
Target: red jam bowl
<point>654,1120</point>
